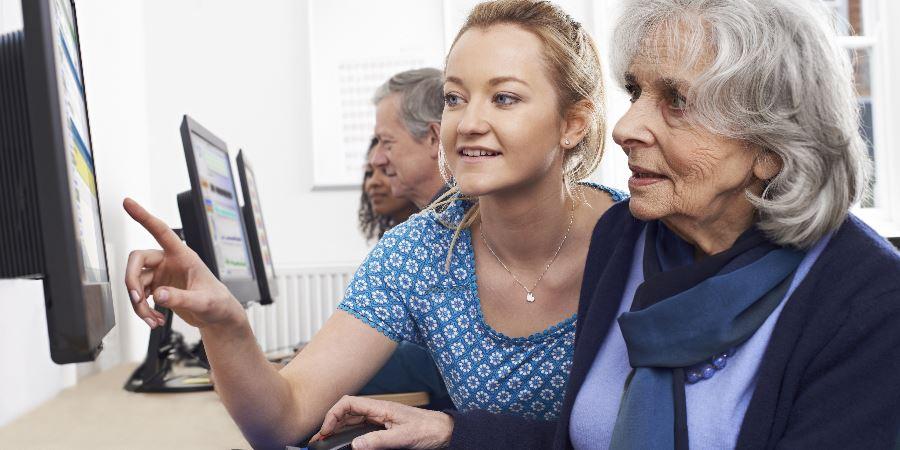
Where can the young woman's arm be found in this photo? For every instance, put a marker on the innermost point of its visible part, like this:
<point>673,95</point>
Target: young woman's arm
<point>272,408</point>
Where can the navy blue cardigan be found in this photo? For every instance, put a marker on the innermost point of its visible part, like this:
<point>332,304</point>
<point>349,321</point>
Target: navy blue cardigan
<point>830,376</point>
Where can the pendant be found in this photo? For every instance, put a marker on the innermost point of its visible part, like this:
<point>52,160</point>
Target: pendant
<point>530,297</point>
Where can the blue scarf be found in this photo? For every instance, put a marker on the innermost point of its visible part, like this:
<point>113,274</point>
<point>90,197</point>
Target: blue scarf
<point>684,313</point>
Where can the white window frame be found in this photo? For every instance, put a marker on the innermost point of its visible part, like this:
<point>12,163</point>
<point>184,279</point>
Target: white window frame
<point>883,43</point>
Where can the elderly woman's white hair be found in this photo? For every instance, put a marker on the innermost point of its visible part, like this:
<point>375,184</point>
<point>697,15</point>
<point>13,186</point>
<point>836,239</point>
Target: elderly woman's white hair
<point>773,76</point>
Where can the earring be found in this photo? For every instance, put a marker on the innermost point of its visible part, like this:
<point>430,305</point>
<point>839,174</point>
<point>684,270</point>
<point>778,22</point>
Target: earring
<point>566,142</point>
<point>443,167</point>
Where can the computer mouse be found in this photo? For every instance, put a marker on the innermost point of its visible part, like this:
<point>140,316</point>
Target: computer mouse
<point>342,440</point>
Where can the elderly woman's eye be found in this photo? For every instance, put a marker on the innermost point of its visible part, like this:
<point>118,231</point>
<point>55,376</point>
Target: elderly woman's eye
<point>634,92</point>
<point>677,101</point>
<point>504,99</point>
<point>452,99</point>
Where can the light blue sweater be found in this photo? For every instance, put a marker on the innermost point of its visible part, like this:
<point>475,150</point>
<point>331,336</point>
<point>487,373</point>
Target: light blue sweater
<point>715,407</point>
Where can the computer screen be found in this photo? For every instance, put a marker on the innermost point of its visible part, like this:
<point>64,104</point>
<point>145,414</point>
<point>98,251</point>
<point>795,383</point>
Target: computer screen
<point>254,203</point>
<point>220,205</point>
<point>77,141</point>
<point>256,231</point>
<point>210,214</point>
<point>52,225</point>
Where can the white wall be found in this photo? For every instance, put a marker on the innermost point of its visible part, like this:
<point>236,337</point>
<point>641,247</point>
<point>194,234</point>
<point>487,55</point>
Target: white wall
<point>28,376</point>
<point>241,70</point>
<point>613,169</point>
<point>10,16</point>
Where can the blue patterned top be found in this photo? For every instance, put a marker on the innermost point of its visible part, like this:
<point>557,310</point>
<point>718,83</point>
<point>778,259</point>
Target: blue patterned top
<point>403,291</point>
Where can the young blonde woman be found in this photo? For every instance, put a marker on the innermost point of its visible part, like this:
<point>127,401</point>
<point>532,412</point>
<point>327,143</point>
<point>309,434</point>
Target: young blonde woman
<point>489,282</point>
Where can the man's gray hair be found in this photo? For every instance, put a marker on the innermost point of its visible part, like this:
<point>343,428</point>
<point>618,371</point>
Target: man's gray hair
<point>774,77</point>
<point>421,98</point>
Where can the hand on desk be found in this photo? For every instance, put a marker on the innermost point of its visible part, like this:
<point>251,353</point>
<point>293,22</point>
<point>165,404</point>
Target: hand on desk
<point>176,277</point>
<point>406,426</point>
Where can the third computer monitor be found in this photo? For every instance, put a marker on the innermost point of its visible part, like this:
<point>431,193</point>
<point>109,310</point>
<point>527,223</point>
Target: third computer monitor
<point>256,231</point>
<point>211,217</point>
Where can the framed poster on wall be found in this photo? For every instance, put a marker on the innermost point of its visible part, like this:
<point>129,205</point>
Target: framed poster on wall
<point>355,47</point>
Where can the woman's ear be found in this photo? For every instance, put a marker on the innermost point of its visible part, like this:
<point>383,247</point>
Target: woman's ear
<point>766,165</point>
<point>575,124</point>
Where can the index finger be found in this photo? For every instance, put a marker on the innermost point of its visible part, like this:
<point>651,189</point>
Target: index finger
<point>157,228</point>
<point>371,409</point>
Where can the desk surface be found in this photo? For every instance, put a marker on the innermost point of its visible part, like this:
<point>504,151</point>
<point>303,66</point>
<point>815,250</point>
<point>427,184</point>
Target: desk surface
<point>98,414</point>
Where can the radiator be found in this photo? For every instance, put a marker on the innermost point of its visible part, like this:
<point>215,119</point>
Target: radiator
<point>307,296</point>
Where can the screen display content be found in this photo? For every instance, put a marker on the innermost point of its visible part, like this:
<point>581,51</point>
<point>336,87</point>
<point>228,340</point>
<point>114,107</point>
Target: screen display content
<point>77,141</point>
<point>222,213</point>
<point>258,220</point>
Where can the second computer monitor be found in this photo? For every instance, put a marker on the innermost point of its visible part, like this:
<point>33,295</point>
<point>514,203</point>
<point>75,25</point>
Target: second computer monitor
<point>256,231</point>
<point>210,214</point>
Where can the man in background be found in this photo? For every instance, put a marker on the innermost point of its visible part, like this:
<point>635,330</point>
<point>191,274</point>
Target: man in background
<point>408,110</point>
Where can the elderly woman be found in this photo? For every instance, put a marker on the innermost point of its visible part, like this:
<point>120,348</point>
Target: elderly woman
<point>752,310</point>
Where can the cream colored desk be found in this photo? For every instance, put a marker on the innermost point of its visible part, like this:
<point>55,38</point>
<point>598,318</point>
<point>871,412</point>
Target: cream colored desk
<point>98,414</point>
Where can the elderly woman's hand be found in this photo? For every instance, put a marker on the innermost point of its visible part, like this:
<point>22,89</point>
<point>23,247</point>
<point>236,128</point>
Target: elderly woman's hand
<point>407,427</point>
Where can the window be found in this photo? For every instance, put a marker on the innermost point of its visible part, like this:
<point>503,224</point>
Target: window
<point>861,44</point>
<point>864,26</point>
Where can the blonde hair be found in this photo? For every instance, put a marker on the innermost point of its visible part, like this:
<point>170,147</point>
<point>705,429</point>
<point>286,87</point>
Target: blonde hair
<point>573,63</point>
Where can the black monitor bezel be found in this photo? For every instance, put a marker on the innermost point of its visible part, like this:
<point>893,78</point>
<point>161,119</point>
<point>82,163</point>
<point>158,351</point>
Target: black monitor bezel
<point>75,328</point>
<point>268,287</point>
<point>246,291</point>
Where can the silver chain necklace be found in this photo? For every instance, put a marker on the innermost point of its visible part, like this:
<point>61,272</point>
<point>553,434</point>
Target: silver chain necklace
<point>529,293</point>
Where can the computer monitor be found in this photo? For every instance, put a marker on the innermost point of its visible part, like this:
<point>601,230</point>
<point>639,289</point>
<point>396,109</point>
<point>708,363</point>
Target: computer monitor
<point>51,226</point>
<point>213,226</point>
<point>210,215</point>
<point>256,231</point>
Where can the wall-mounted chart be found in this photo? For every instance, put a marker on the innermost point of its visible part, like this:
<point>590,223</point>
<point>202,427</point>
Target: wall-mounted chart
<point>344,77</point>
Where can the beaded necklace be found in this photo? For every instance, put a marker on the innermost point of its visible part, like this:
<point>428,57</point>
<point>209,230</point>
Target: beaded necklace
<point>707,369</point>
